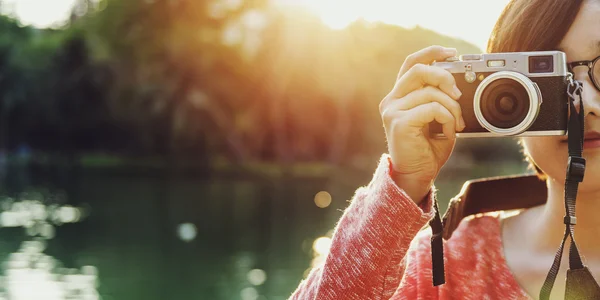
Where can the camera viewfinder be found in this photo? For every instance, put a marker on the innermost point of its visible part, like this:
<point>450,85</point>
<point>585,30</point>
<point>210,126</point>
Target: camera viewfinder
<point>541,64</point>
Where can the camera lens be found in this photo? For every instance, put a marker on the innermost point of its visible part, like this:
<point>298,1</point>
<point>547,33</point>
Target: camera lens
<point>504,103</point>
<point>541,64</point>
<point>507,103</point>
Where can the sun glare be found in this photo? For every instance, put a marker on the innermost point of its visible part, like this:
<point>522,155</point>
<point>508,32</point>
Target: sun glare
<point>38,13</point>
<point>443,16</point>
<point>335,14</point>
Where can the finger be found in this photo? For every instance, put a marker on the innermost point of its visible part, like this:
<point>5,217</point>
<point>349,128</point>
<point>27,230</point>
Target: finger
<point>421,75</point>
<point>426,56</point>
<point>429,112</point>
<point>427,95</point>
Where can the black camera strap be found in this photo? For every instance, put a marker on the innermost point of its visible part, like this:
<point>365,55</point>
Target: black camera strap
<point>437,245</point>
<point>580,284</point>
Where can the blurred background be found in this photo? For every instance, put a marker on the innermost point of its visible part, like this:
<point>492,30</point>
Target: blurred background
<point>202,149</point>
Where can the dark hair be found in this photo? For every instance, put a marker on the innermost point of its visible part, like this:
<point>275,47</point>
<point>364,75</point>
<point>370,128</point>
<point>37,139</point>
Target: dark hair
<point>533,25</point>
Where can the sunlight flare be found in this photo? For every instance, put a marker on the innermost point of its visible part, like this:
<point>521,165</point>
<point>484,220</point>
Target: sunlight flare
<point>465,19</point>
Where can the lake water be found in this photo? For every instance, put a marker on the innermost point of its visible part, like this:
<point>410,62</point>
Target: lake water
<point>155,233</point>
<point>147,233</point>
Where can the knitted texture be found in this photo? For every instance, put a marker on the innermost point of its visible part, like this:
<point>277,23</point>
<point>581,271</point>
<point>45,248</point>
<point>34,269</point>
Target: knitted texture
<point>379,251</point>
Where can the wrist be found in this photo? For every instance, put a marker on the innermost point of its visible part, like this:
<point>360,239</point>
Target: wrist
<point>417,190</point>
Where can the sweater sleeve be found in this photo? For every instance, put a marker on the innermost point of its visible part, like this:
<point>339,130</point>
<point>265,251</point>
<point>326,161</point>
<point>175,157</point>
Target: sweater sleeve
<point>370,242</point>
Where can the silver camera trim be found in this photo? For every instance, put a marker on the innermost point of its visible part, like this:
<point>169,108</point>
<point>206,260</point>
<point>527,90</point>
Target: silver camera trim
<point>514,61</point>
<point>535,100</point>
<point>487,134</point>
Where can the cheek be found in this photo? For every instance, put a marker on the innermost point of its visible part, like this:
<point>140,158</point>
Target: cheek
<point>592,170</point>
<point>551,156</point>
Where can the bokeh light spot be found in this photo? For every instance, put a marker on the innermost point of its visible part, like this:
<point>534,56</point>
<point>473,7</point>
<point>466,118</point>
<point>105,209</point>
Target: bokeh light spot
<point>323,199</point>
<point>10,219</point>
<point>322,245</point>
<point>47,231</point>
<point>186,232</point>
<point>89,270</point>
<point>257,276</point>
<point>249,293</point>
<point>68,214</point>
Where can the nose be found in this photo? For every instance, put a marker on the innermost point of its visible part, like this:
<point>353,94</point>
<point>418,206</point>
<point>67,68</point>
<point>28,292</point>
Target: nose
<point>590,96</point>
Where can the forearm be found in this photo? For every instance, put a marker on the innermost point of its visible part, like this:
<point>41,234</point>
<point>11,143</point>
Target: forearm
<point>369,243</point>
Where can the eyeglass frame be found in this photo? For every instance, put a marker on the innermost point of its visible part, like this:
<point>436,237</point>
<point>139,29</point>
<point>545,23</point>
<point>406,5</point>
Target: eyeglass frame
<point>590,64</point>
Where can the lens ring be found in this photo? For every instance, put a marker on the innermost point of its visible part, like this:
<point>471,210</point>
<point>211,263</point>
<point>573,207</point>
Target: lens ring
<point>533,93</point>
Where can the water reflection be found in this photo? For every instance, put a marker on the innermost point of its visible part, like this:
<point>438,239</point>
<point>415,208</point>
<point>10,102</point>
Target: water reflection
<point>29,273</point>
<point>158,236</point>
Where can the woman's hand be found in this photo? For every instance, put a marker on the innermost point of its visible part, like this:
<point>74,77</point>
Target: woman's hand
<point>422,94</point>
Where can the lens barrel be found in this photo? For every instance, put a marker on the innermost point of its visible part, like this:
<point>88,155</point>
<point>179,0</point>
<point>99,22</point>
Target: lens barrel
<point>507,103</point>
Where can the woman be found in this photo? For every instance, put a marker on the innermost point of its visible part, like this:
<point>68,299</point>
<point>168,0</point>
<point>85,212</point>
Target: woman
<point>489,256</point>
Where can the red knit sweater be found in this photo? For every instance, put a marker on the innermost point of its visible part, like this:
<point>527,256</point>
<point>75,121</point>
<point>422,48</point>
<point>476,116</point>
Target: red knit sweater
<point>372,257</point>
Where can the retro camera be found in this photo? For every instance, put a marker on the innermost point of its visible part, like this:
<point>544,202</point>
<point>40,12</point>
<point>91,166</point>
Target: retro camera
<point>510,94</point>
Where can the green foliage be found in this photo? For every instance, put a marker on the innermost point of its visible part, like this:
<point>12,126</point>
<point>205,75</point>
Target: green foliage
<point>206,79</point>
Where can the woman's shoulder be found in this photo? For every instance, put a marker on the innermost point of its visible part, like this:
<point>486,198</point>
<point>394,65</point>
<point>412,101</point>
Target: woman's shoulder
<point>474,260</point>
<point>479,226</point>
<point>475,248</point>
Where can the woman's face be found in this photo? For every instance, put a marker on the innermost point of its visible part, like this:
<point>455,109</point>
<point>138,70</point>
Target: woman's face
<point>582,42</point>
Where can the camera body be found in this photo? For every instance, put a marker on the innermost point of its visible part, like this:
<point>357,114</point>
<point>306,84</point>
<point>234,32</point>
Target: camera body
<point>510,94</point>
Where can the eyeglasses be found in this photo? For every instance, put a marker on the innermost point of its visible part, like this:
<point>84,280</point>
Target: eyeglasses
<point>593,69</point>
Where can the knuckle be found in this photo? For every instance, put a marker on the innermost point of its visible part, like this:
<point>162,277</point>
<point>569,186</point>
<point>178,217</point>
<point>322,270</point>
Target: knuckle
<point>455,113</point>
<point>456,106</point>
<point>383,104</point>
<point>419,69</point>
<point>435,48</point>
<point>449,78</point>
<point>386,115</point>
<point>431,91</point>
<point>437,106</point>
<point>440,109</point>
<point>410,58</point>
<point>441,77</point>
